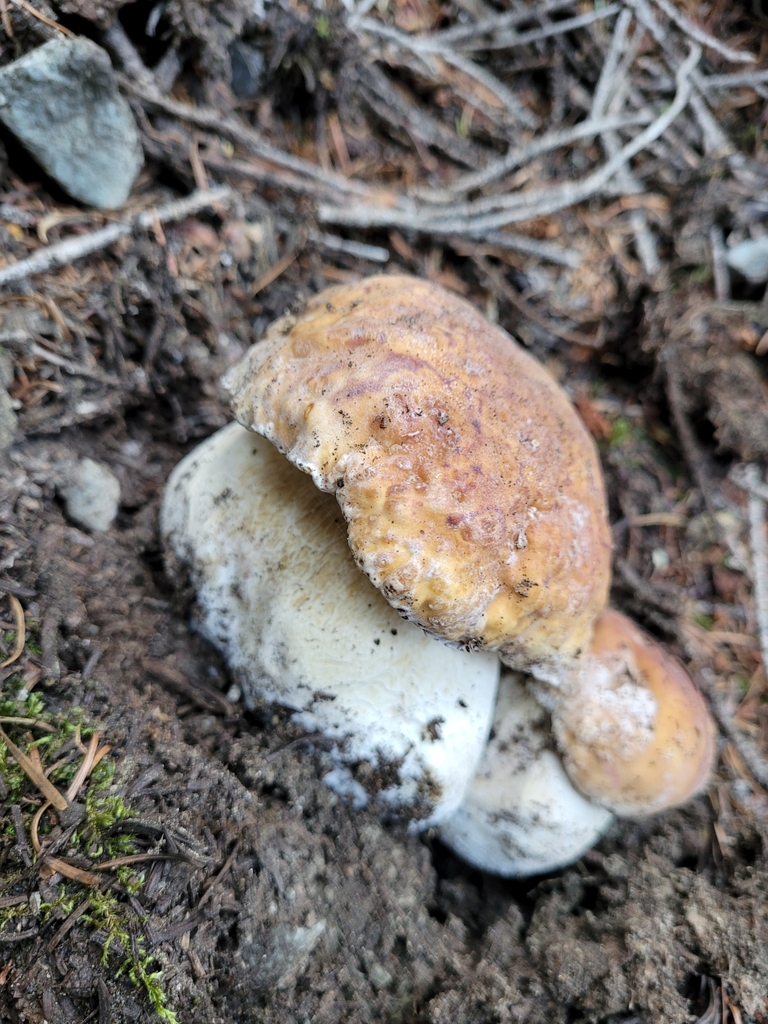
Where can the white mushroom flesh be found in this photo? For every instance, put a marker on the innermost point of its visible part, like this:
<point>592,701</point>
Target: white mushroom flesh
<point>279,594</point>
<point>520,814</point>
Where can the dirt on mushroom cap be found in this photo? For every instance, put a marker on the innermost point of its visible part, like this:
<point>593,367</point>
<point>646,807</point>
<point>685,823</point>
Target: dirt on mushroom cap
<point>472,490</point>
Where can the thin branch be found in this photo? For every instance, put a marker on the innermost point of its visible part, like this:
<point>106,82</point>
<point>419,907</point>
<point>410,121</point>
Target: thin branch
<point>213,120</point>
<point>501,284</point>
<point>360,250</point>
<point>549,252</point>
<point>504,41</point>
<point>463,33</point>
<point>74,248</point>
<point>734,81</point>
<point>720,268</point>
<point>607,87</point>
<point>518,156</point>
<point>427,50</point>
<point>471,219</point>
<point>698,35</point>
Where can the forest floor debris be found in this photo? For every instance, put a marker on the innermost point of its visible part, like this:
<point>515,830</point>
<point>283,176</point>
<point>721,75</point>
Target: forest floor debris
<point>590,177</point>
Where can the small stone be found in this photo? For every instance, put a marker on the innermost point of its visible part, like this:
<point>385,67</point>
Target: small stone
<point>750,259</point>
<point>247,65</point>
<point>62,103</point>
<point>91,495</point>
<point>379,976</point>
<point>7,422</point>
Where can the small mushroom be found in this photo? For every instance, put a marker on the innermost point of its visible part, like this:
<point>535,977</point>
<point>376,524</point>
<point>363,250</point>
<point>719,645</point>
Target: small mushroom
<point>521,814</point>
<point>635,732</point>
<point>474,501</point>
<point>279,594</point>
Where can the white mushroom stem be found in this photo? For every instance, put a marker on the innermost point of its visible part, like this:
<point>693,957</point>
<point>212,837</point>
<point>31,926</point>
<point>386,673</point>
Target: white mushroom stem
<point>521,815</point>
<point>279,594</point>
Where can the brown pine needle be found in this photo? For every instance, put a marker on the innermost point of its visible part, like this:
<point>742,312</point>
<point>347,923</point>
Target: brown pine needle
<point>133,858</point>
<point>25,6</point>
<point>274,272</point>
<point>30,769</point>
<point>70,871</point>
<point>28,721</point>
<point>33,830</point>
<point>21,631</point>
<point>84,769</point>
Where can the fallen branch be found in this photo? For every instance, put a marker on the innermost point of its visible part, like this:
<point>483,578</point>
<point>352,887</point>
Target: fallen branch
<point>213,120</point>
<point>519,156</point>
<point>698,35</point>
<point>475,219</point>
<point>74,248</point>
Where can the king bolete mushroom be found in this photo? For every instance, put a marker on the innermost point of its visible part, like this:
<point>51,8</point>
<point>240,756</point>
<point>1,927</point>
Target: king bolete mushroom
<point>277,591</point>
<point>475,503</point>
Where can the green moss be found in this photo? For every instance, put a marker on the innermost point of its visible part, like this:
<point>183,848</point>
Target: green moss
<point>705,621</point>
<point>323,26</point>
<point>108,911</point>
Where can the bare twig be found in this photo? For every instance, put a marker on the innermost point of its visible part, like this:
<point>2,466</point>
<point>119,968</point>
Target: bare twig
<point>116,39</point>
<point>461,34</point>
<point>606,88</point>
<point>698,34</point>
<point>734,81</point>
<point>507,40</point>
<point>476,218</point>
<point>275,271</point>
<point>549,252</point>
<point>518,156</point>
<point>502,285</point>
<point>719,264</point>
<point>389,104</point>
<point>695,458</point>
<point>74,248</point>
<point>360,250</point>
<point>724,713</point>
<point>213,120</point>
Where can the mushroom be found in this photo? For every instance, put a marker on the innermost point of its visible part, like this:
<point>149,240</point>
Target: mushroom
<point>472,491</point>
<point>643,740</point>
<point>474,501</point>
<point>279,594</point>
<point>521,814</point>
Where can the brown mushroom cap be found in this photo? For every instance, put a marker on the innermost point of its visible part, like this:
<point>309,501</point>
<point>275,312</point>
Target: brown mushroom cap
<point>635,733</point>
<point>472,491</point>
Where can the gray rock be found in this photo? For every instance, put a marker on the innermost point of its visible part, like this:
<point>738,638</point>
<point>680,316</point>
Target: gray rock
<point>62,103</point>
<point>750,259</point>
<point>91,495</point>
<point>7,422</point>
<point>248,66</point>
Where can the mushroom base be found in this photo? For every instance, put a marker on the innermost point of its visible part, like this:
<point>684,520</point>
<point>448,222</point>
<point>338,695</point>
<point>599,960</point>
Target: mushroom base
<point>521,815</point>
